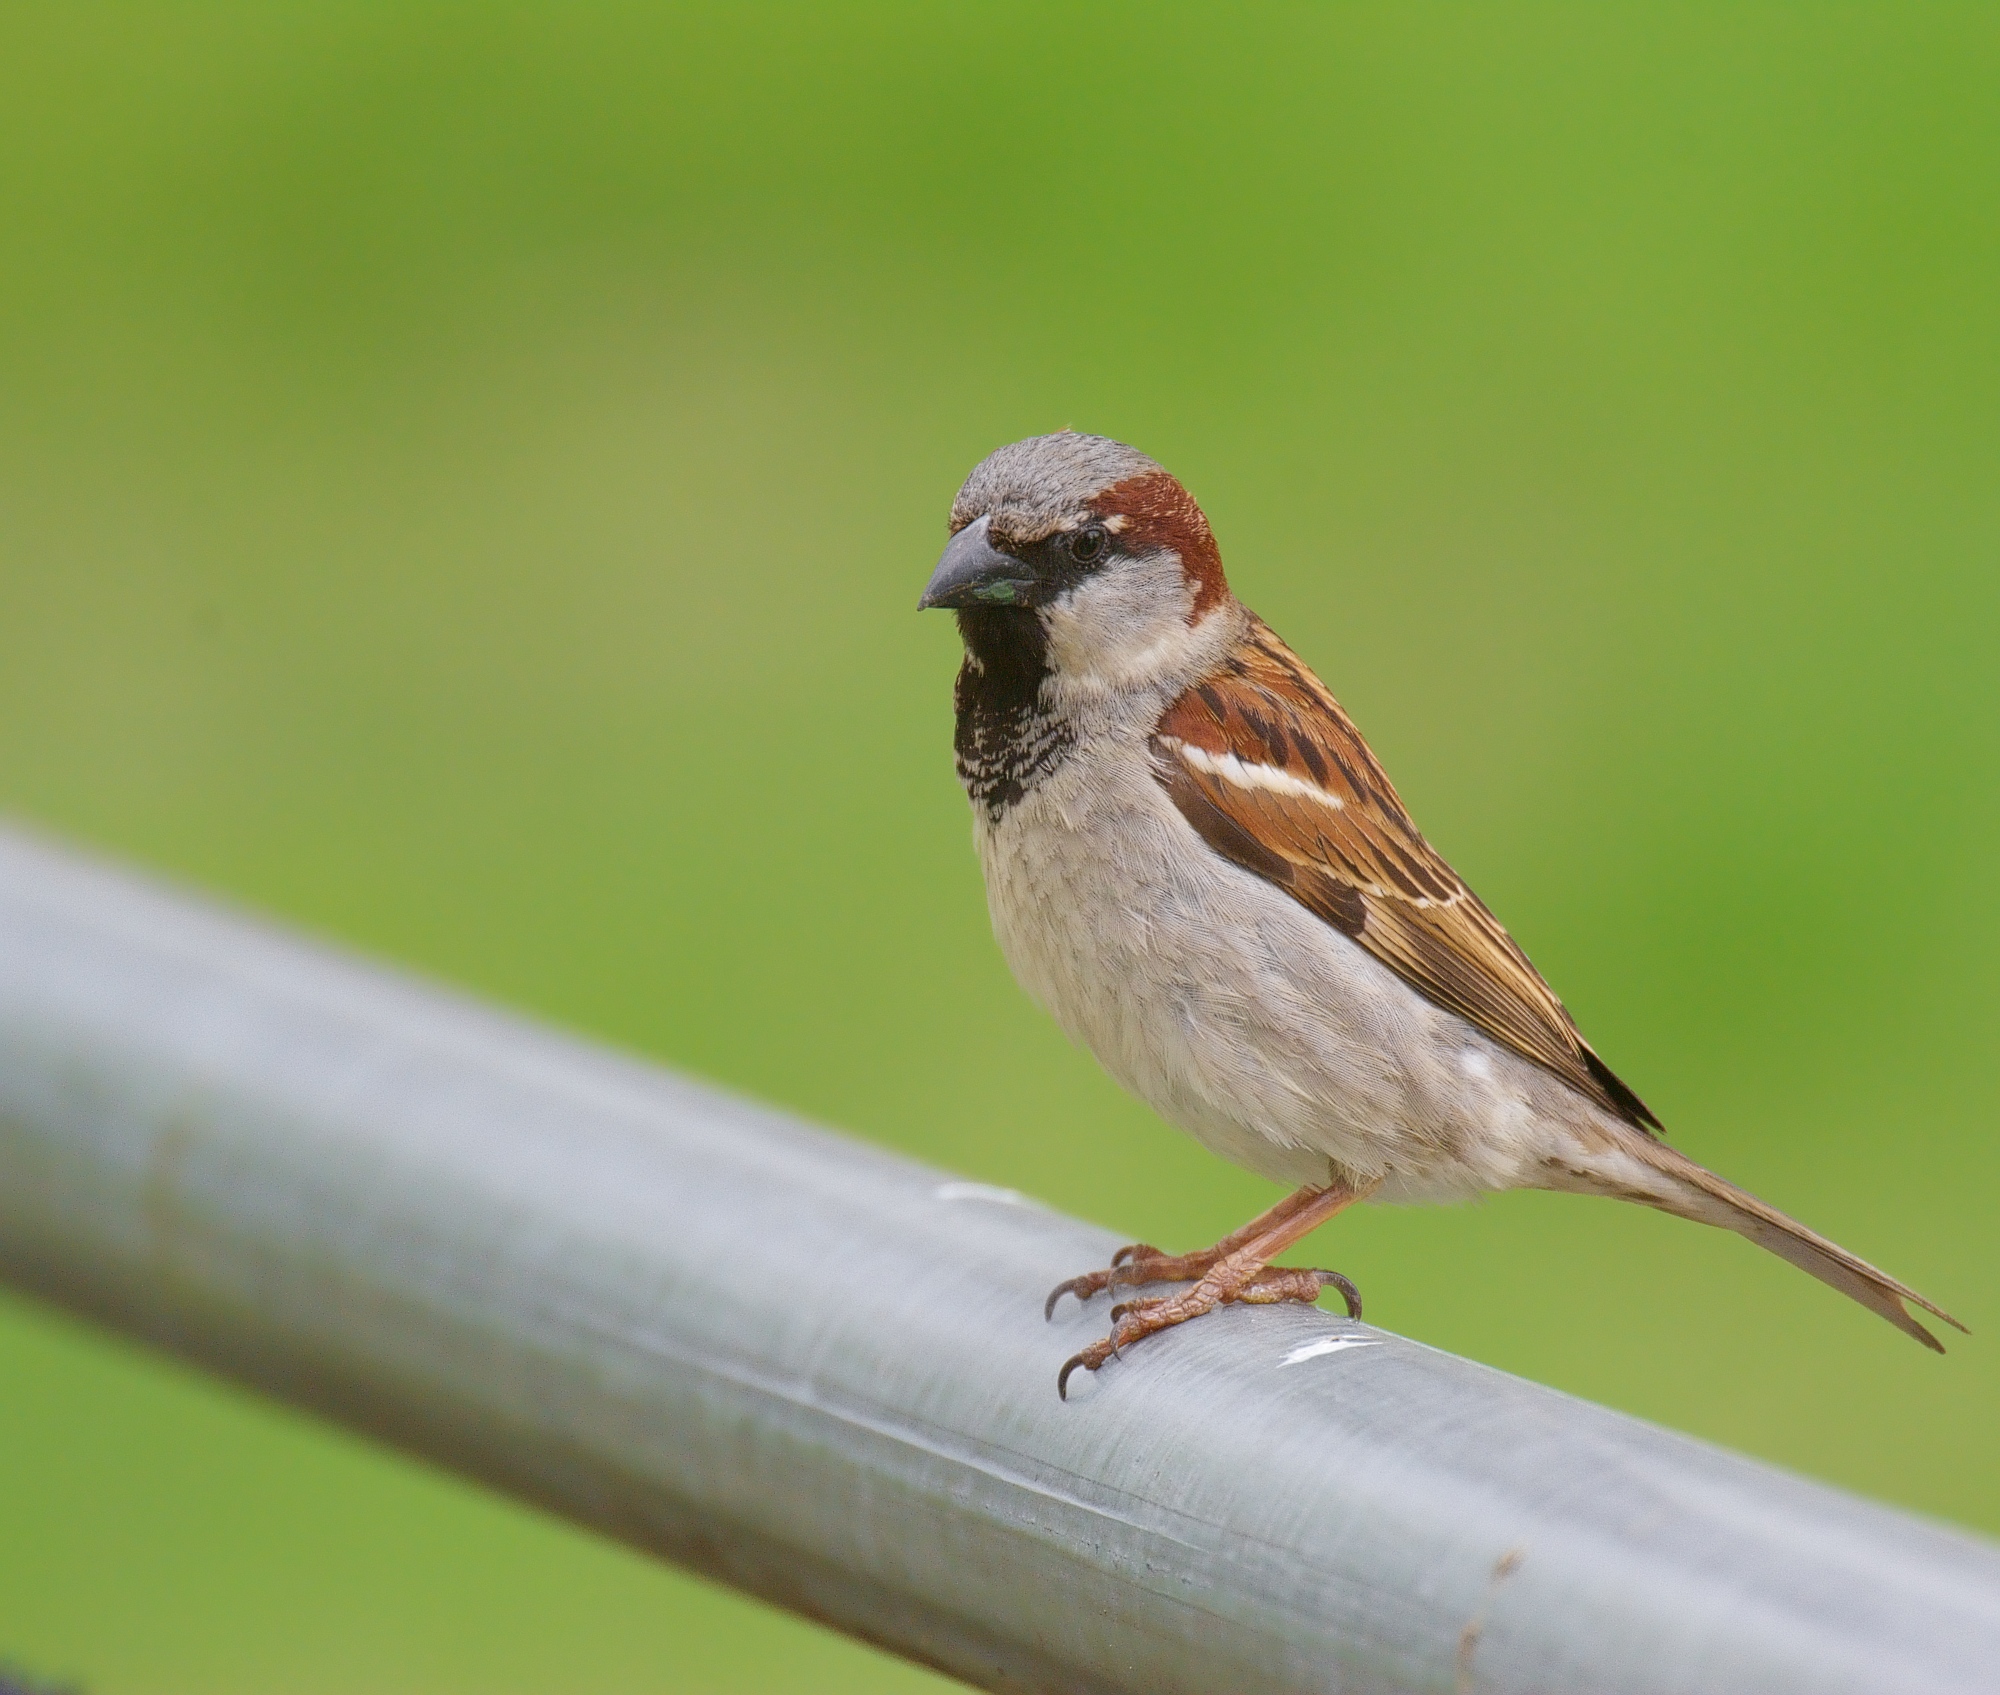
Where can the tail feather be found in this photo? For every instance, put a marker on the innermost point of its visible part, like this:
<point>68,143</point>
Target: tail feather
<point>1697,1193</point>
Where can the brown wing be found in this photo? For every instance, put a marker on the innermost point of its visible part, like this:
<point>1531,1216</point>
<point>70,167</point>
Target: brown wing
<point>1262,761</point>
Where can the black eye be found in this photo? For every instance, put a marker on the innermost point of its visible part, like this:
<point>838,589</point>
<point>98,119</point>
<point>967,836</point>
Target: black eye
<point>1087,546</point>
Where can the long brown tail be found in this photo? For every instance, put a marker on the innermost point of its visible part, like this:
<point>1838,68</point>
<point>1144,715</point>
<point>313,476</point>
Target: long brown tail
<point>1693,1191</point>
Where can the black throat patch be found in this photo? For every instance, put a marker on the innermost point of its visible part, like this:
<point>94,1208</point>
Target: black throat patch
<point>1007,740</point>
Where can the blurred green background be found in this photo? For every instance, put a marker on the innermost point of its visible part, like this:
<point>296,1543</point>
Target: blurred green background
<point>465,476</point>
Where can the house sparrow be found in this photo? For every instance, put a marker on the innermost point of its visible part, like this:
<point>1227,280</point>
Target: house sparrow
<point>1195,863</point>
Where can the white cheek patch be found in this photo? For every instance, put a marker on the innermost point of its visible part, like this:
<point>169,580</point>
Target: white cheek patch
<point>1125,628</point>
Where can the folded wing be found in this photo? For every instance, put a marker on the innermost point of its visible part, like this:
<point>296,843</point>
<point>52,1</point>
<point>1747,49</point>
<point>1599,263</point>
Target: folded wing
<point>1265,765</point>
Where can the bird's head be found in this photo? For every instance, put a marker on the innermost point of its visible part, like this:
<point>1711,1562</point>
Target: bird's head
<point>1087,546</point>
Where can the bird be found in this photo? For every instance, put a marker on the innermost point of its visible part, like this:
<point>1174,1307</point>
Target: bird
<point>1196,865</point>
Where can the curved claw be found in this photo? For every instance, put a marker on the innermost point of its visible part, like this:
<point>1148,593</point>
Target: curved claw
<point>1135,1250</point>
<point>1062,1377</point>
<point>1090,1359</point>
<point>1349,1295</point>
<point>1081,1287</point>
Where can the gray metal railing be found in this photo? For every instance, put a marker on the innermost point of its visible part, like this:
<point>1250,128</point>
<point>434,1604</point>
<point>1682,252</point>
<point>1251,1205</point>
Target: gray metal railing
<point>821,1374</point>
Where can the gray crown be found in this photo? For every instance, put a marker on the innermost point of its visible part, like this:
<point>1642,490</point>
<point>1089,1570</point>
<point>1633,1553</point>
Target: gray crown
<point>1031,488</point>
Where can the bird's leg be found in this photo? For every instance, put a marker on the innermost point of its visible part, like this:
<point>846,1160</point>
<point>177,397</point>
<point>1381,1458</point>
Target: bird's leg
<point>1243,1274</point>
<point>1141,1262</point>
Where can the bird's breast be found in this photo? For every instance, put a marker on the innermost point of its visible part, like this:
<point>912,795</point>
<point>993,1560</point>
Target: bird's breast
<point>1225,1005</point>
<point>1116,919</point>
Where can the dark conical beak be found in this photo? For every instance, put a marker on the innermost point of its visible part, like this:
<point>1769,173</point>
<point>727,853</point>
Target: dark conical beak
<point>973,572</point>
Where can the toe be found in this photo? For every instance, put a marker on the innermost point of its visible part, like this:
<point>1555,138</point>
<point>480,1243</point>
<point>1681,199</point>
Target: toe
<point>1081,1287</point>
<point>1089,1360</point>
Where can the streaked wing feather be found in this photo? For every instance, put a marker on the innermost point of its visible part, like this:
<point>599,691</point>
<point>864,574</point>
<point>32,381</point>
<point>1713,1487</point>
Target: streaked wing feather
<point>1265,765</point>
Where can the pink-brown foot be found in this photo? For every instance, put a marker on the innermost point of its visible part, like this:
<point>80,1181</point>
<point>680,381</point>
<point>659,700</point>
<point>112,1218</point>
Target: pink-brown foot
<point>1133,1266</point>
<point>1134,1321</point>
<point>1269,1232</point>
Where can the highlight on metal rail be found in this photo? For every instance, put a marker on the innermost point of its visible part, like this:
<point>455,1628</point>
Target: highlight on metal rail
<point>548,1266</point>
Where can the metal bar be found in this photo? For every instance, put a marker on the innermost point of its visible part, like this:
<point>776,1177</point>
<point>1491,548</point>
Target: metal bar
<point>821,1374</point>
